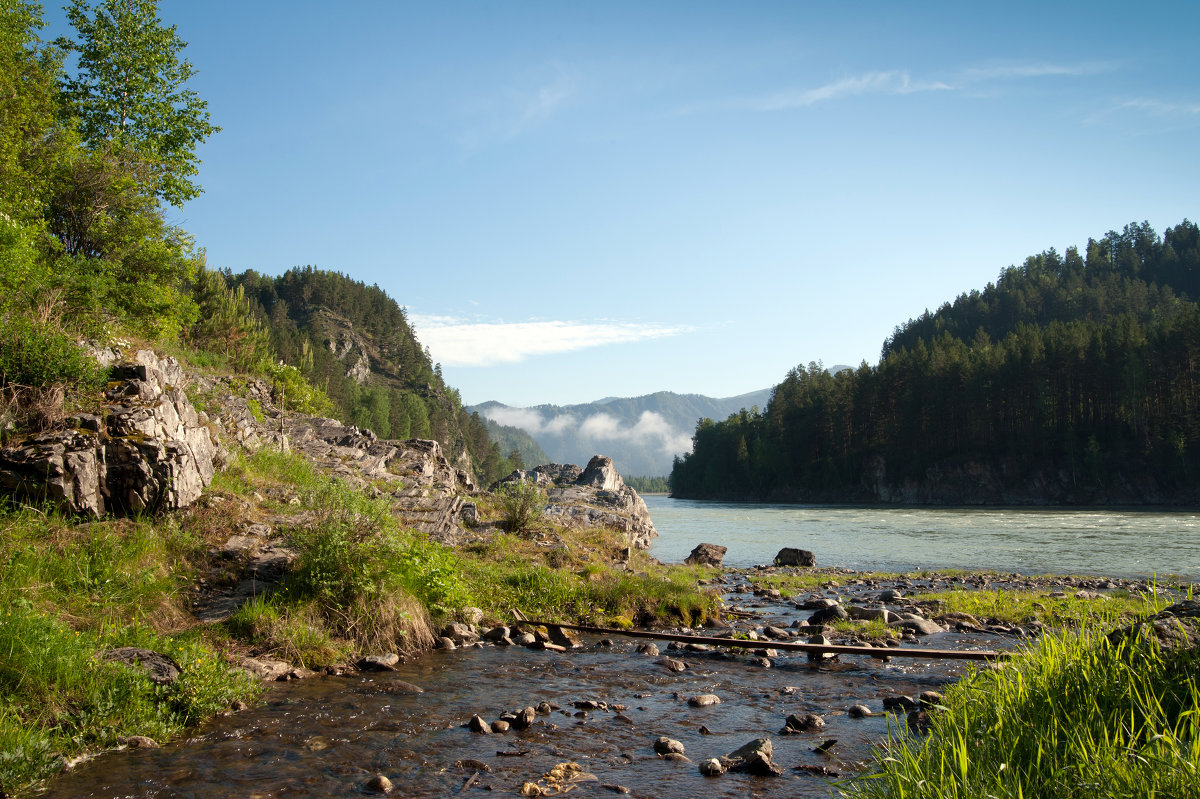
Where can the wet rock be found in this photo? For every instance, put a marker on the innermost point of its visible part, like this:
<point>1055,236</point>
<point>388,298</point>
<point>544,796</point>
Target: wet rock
<point>795,557</point>
<point>385,662</point>
<point>816,603</point>
<point>524,718</point>
<point>919,721</point>
<point>898,704</point>
<point>833,613</point>
<point>704,730</point>
<point>161,669</point>
<point>477,724</point>
<point>379,784</point>
<point>762,662</point>
<point>648,649</point>
<point>778,633</point>
<point>753,758</point>
<point>266,669</point>
<point>141,742</point>
<point>496,633</point>
<point>922,626</point>
<point>890,595</point>
<point>706,555</point>
<point>665,746</point>
<point>929,699</point>
<point>858,711</point>
<point>525,639</point>
<point>796,723</point>
<point>676,757</point>
<point>869,614</point>
<point>446,643</point>
<point>704,700</point>
<point>545,708</point>
<point>501,726</point>
<point>672,664</point>
<point>568,639</point>
<point>459,633</point>
<point>712,768</point>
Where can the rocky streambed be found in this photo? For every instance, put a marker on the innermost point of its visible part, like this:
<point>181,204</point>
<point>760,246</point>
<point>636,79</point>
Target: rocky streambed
<point>610,715</point>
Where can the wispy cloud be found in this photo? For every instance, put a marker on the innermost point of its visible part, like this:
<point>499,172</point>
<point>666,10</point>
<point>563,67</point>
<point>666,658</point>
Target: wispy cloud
<point>519,108</point>
<point>893,82</point>
<point>1036,69</point>
<point>899,82</point>
<point>456,342</point>
<point>1158,108</point>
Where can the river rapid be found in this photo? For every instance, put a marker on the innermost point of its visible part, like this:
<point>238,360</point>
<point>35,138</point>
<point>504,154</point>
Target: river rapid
<point>328,736</point>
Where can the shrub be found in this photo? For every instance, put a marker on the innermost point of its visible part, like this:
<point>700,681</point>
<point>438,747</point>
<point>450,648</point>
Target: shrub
<point>521,505</point>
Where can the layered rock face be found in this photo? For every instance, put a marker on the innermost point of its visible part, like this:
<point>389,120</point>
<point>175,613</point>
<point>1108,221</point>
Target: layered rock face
<point>592,497</point>
<point>148,451</point>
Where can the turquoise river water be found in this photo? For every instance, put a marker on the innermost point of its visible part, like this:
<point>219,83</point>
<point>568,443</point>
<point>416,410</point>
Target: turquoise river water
<point>1117,542</point>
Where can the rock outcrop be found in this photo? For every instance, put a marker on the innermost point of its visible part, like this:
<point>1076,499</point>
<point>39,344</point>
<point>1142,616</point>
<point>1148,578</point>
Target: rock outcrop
<point>148,450</point>
<point>592,497</point>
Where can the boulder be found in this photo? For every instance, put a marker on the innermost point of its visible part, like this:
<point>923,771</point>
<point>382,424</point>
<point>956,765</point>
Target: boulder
<point>789,556</point>
<point>149,451</point>
<point>753,758</point>
<point>706,555</point>
<point>161,669</point>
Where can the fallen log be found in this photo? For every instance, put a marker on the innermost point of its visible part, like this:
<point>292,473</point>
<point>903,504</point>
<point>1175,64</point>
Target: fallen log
<point>786,646</point>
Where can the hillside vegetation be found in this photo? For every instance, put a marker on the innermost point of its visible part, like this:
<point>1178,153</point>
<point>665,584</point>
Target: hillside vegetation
<point>1073,378</point>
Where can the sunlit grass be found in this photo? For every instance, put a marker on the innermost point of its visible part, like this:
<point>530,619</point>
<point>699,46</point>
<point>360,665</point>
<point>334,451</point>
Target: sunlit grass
<point>1077,715</point>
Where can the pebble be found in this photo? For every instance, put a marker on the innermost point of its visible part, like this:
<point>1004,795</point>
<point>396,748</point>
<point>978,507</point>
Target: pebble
<point>859,711</point>
<point>712,768</point>
<point>380,784</point>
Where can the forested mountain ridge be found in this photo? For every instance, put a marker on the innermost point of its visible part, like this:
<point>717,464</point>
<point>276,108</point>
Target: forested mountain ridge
<point>641,434</point>
<point>354,342</point>
<point>1073,378</point>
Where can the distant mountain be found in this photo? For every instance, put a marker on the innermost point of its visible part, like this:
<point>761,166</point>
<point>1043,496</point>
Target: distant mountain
<point>641,434</point>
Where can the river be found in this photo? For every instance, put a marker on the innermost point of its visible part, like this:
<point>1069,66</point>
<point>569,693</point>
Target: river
<point>327,736</point>
<point>1111,541</point>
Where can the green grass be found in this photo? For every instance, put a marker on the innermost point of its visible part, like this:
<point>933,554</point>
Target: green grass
<point>1075,716</point>
<point>69,591</point>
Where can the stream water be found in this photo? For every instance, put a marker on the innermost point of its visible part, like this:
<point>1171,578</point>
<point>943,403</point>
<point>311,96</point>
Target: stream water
<point>327,736</point>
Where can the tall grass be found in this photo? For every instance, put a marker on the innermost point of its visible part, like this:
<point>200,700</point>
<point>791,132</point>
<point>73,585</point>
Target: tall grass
<point>1078,715</point>
<point>70,591</point>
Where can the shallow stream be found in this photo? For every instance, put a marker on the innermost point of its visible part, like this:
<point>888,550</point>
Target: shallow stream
<point>327,736</point>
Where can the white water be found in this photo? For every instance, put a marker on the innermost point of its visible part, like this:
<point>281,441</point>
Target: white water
<point>1115,542</point>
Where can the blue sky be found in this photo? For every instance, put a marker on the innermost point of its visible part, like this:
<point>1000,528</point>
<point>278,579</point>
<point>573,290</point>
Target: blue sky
<point>576,200</point>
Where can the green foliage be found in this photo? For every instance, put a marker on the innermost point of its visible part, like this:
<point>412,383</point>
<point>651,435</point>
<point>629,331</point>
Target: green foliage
<point>39,354</point>
<point>129,97</point>
<point>649,485</point>
<point>522,504</point>
<point>226,323</point>
<point>1089,369</point>
<point>289,388</point>
<point>1078,715</point>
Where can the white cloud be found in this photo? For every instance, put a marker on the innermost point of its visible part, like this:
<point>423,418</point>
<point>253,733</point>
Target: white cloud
<point>1035,70</point>
<point>455,342</point>
<point>893,82</point>
<point>1159,107</point>
<point>649,426</point>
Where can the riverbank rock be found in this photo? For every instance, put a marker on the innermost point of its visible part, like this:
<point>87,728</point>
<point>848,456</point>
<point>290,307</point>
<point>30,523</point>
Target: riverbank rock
<point>667,746</point>
<point>148,451</point>
<point>706,555</point>
<point>595,496</point>
<point>162,669</point>
<point>795,557</point>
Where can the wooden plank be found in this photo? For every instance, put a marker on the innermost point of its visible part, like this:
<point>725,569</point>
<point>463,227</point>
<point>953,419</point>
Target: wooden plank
<point>787,646</point>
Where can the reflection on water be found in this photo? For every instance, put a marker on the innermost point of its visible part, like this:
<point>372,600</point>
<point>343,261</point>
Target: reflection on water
<point>1114,542</point>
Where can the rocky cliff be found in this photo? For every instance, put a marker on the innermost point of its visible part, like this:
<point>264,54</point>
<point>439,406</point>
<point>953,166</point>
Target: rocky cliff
<point>592,497</point>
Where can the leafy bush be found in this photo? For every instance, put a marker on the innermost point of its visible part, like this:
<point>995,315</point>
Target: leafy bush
<point>291,389</point>
<point>38,354</point>
<point>522,503</point>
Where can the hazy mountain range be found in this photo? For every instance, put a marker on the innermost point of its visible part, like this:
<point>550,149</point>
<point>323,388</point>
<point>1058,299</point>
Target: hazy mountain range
<point>641,434</point>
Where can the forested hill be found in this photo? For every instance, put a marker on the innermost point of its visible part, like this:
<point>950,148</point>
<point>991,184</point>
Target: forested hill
<point>354,341</point>
<point>1074,378</point>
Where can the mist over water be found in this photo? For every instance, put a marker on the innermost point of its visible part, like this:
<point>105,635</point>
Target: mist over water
<point>1116,542</point>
